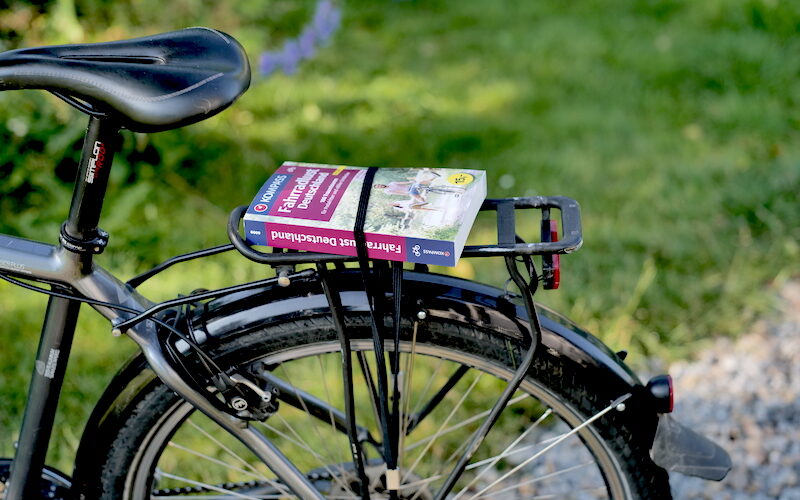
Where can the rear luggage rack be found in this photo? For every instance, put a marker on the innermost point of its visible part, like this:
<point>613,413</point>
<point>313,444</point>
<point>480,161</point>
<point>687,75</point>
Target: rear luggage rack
<point>508,242</point>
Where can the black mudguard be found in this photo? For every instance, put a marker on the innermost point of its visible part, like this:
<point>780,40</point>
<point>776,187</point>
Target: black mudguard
<point>678,448</point>
<point>444,297</point>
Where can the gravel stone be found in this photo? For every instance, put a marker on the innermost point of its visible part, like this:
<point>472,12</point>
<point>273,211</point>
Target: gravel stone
<point>745,395</point>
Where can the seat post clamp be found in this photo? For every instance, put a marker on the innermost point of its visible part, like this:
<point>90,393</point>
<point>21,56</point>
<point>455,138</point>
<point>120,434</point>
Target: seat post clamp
<point>93,245</point>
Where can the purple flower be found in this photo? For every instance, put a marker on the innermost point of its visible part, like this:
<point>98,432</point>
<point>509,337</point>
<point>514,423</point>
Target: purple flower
<point>306,44</point>
<point>326,20</point>
<point>267,63</point>
<point>290,57</point>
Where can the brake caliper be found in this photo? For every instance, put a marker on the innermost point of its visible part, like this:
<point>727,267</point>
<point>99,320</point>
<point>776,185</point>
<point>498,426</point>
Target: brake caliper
<point>251,400</point>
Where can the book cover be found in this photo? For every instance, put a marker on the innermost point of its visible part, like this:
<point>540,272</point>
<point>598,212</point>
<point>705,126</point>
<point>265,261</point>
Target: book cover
<point>414,214</point>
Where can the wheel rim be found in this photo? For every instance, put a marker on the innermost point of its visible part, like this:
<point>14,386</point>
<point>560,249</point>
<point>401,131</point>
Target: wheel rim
<point>579,467</point>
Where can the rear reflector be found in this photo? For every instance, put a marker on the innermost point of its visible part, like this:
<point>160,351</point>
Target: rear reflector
<point>551,264</point>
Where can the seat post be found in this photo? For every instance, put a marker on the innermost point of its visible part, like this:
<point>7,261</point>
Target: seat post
<point>80,233</point>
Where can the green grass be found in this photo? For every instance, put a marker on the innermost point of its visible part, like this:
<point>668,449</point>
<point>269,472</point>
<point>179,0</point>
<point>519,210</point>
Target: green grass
<point>673,124</point>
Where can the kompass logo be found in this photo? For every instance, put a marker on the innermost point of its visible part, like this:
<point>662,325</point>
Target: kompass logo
<point>275,184</point>
<point>444,253</point>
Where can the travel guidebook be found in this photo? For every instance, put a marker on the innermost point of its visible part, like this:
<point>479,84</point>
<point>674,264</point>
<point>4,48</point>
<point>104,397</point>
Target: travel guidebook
<point>414,214</point>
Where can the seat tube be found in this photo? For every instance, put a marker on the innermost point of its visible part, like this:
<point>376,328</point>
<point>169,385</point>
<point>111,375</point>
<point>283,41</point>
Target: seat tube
<point>80,236</point>
<point>43,393</point>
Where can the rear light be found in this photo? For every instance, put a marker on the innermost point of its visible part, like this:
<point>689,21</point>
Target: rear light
<point>661,389</point>
<point>551,264</point>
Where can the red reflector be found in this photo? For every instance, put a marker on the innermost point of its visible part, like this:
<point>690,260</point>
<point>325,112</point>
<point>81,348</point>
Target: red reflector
<point>556,258</point>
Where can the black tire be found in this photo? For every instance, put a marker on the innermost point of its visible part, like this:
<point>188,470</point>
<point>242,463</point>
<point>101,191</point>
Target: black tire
<point>606,454</point>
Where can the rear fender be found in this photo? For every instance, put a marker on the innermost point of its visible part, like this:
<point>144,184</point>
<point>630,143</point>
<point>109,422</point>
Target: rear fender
<point>444,297</point>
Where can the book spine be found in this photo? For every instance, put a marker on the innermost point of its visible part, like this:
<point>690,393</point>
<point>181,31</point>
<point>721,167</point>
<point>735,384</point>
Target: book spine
<point>254,232</point>
<point>311,239</point>
<point>341,242</point>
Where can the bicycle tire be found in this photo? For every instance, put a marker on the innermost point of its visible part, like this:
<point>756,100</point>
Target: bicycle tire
<point>147,453</point>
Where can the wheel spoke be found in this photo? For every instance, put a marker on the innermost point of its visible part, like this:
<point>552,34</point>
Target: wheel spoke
<point>442,428</point>
<point>324,463</point>
<point>428,386</point>
<point>555,443</point>
<point>461,424</point>
<point>207,486</point>
<point>223,447</point>
<point>373,392</point>
<point>410,359</point>
<point>562,496</point>
<point>324,442</point>
<point>438,397</point>
<point>546,477</point>
<point>299,444</point>
<point>491,462</point>
<point>185,449</point>
<point>324,378</point>
<point>210,497</point>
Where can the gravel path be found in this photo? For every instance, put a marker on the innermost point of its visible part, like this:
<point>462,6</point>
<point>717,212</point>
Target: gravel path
<point>745,394</point>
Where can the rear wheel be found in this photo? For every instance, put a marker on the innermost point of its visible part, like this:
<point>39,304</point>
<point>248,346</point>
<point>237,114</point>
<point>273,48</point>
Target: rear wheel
<point>536,449</point>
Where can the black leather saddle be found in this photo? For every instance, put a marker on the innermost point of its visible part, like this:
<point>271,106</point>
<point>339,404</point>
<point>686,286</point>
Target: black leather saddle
<point>147,84</point>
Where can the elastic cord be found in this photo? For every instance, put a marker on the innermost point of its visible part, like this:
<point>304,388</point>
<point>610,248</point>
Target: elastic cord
<point>376,317</point>
<point>361,215</point>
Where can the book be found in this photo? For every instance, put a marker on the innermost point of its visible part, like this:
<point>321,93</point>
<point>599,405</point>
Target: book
<point>420,215</point>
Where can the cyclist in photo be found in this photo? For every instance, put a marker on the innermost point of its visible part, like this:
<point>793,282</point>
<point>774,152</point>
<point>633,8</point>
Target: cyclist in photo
<point>418,186</point>
<point>412,204</point>
<point>413,189</point>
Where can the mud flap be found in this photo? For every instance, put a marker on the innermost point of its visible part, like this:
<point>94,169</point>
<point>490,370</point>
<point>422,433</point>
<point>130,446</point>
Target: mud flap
<point>678,448</point>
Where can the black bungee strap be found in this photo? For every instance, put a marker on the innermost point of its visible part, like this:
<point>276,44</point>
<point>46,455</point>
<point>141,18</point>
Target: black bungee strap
<point>373,289</point>
<point>361,216</point>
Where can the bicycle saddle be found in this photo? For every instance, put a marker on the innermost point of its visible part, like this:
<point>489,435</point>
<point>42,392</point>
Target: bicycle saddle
<point>148,84</point>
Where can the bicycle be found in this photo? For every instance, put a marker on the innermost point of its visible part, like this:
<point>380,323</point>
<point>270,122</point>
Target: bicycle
<point>231,394</point>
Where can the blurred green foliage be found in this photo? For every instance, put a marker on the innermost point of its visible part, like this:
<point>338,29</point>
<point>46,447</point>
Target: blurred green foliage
<point>675,124</point>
